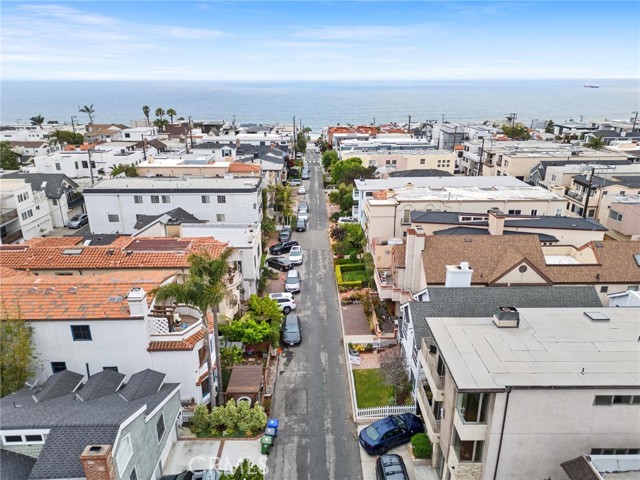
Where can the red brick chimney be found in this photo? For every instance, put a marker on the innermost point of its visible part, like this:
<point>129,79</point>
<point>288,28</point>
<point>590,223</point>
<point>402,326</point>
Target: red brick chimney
<point>97,463</point>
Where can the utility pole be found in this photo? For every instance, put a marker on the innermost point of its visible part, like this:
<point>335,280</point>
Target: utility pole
<point>588,194</point>
<point>455,135</point>
<point>73,125</point>
<point>481,154</point>
<point>635,119</point>
<point>90,165</point>
<point>190,133</point>
<point>144,148</point>
<point>374,121</point>
<point>409,127</point>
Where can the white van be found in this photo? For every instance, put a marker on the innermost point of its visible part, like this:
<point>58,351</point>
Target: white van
<point>292,282</point>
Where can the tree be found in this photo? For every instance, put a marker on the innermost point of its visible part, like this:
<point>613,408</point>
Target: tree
<point>17,356</point>
<point>37,120</point>
<point>146,111</point>
<point>597,143</point>
<point>283,198</point>
<point>301,143</point>
<point>548,127</point>
<point>516,132</point>
<point>264,309</point>
<point>8,158</point>
<point>247,330</point>
<point>203,287</point>
<point>88,109</point>
<point>129,170</point>
<point>329,157</point>
<point>393,371</point>
<point>230,356</point>
<point>161,123</point>
<point>64,137</point>
<point>172,113</point>
<point>346,171</point>
<point>160,113</point>
<point>200,419</point>
<point>244,471</point>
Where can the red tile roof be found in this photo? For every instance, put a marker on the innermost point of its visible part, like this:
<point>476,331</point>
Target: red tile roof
<point>185,344</point>
<point>68,253</point>
<point>239,167</point>
<point>96,297</point>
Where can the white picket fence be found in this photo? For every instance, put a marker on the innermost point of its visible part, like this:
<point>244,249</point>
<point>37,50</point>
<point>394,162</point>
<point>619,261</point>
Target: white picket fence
<point>378,412</point>
<point>187,415</point>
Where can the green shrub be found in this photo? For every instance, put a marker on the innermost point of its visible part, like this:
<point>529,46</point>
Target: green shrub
<point>340,268</point>
<point>421,444</point>
<point>200,419</point>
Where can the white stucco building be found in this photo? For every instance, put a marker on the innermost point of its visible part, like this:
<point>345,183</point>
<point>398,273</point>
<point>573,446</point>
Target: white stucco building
<point>25,212</point>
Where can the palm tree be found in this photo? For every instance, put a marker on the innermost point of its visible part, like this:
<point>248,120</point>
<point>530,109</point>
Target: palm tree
<point>160,113</point>
<point>146,111</point>
<point>55,138</point>
<point>597,143</point>
<point>203,287</point>
<point>37,120</point>
<point>172,113</point>
<point>88,109</point>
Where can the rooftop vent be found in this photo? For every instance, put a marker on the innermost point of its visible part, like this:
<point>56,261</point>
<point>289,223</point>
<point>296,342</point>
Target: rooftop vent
<point>73,290</point>
<point>116,299</point>
<point>506,317</point>
<point>597,316</point>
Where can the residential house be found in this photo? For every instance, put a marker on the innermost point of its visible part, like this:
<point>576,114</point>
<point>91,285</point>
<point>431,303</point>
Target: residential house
<point>630,298</point>
<point>111,322</point>
<point>427,172</point>
<point>505,260</point>
<point>27,150</point>
<point>194,164</point>
<point>139,133</point>
<point>62,193</point>
<point>621,214</point>
<point>100,429</point>
<point>525,389</point>
<point>365,188</point>
<point>561,173</point>
<point>595,186</point>
<point>24,212</point>
<point>460,302</point>
<point>24,133</point>
<point>113,204</point>
<point>104,132</point>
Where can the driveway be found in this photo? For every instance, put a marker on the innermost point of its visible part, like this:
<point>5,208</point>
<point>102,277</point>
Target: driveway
<point>317,438</point>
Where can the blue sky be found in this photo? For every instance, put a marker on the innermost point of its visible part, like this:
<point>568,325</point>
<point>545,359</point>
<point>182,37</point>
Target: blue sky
<point>319,41</point>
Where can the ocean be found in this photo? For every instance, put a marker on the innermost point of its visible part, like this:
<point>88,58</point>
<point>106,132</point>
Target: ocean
<point>320,104</point>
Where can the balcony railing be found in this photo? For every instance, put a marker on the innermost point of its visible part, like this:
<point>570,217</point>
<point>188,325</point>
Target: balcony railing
<point>11,237</point>
<point>8,215</point>
<point>355,194</point>
<point>234,278</point>
<point>430,362</point>
<point>427,408</point>
<point>575,195</point>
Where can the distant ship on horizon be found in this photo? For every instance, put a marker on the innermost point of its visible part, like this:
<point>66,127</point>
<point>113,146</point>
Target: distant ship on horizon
<point>591,85</point>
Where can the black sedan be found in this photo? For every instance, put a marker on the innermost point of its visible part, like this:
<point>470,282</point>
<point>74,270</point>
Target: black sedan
<point>391,467</point>
<point>390,432</point>
<point>284,247</point>
<point>280,263</point>
<point>291,330</point>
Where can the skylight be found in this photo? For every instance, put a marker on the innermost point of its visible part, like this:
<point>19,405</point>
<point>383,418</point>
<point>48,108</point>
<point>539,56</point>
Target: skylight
<point>599,316</point>
<point>72,251</point>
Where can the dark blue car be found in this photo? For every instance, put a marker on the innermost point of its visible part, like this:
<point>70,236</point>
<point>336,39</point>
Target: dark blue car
<point>394,430</point>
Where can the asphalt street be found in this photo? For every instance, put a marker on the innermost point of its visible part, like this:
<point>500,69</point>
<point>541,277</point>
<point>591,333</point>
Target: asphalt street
<point>317,438</point>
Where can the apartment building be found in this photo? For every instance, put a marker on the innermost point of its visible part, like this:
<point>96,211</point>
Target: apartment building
<point>103,428</point>
<point>113,205</point>
<point>388,213</point>
<point>520,392</point>
<point>24,212</point>
<point>399,159</point>
<point>594,187</point>
<point>111,322</point>
<point>366,188</point>
<point>621,215</point>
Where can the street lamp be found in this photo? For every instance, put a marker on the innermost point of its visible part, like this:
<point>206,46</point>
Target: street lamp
<point>635,119</point>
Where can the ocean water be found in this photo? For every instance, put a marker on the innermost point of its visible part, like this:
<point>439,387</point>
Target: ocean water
<point>319,104</point>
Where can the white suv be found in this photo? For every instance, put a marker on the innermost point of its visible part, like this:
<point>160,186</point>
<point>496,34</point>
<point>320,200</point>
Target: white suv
<point>285,301</point>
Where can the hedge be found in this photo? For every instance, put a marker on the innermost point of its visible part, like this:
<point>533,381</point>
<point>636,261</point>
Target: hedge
<point>421,444</point>
<point>352,267</point>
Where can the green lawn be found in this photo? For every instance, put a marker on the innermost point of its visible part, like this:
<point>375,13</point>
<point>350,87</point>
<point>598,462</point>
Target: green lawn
<point>355,275</point>
<point>370,390</point>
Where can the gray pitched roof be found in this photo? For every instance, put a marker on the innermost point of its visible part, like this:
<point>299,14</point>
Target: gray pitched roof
<point>580,468</point>
<point>101,384</point>
<point>50,183</point>
<point>484,231</point>
<point>57,385</point>
<point>178,215</point>
<point>15,466</point>
<point>483,302</point>
<point>142,384</point>
<point>426,172</point>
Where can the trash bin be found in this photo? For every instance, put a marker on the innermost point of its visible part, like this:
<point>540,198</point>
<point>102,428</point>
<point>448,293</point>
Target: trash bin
<point>265,444</point>
<point>273,423</point>
<point>272,432</point>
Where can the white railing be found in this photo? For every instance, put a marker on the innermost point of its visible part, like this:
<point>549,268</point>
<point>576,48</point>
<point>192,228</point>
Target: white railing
<point>187,415</point>
<point>379,412</point>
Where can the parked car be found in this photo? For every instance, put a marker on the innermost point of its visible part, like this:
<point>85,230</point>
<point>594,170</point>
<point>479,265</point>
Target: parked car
<point>390,432</point>
<point>305,175</point>
<point>78,221</point>
<point>316,150</point>
<point>285,234</point>
<point>301,224</point>
<point>285,300</point>
<point>292,282</point>
<point>391,467</point>
<point>196,475</point>
<point>295,255</point>
<point>303,207</point>
<point>295,182</point>
<point>284,247</point>
<point>302,190</point>
<point>291,330</point>
<point>347,220</point>
<point>280,263</point>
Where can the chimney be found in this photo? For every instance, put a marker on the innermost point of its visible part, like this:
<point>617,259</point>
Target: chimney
<point>237,143</point>
<point>409,186</point>
<point>506,317</point>
<point>97,463</point>
<point>137,299</point>
<point>496,222</point>
<point>458,275</point>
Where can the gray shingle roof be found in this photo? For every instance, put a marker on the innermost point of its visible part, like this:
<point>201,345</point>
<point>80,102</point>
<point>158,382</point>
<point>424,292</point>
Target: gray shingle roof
<point>15,466</point>
<point>426,172</point>
<point>51,183</point>
<point>483,301</point>
<point>178,215</point>
<point>142,384</point>
<point>57,385</point>
<point>101,384</point>
<point>484,231</point>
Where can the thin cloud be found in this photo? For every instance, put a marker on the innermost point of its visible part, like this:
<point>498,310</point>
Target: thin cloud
<point>360,32</point>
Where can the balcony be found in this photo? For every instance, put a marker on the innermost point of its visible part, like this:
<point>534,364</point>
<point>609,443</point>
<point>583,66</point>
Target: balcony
<point>355,194</point>
<point>11,237</point>
<point>8,215</point>
<point>384,283</point>
<point>429,363</point>
<point>426,407</point>
<point>234,279</point>
<point>173,322</point>
<point>575,195</point>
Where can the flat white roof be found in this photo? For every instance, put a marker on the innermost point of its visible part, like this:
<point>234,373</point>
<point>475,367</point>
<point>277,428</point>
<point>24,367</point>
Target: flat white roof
<point>472,194</point>
<point>437,182</point>
<point>552,347</point>
<point>163,183</point>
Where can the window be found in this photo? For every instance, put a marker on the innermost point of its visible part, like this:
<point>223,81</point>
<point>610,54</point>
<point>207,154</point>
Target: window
<point>534,212</point>
<point>406,216</point>
<point>125,452</point>
<point>58,167</point>
<point>220,217</point>
<point>632,288</point>
<point>160,427</point>
<point>202,355</point>
<point>514,212</point>
<point>113,369</point>
<point>137,199</point>
<point>468,451</point>
<point>75,165</point>
<point>113,217</point>
<point>615,215</point>
<point>473,407</point>
<point>58,366</point>
<point>604,289</point>
<point>27,214</point>
<point>155,199</point>
<point>204,388</point>
<point>615,451</point>
<point>255,206</point>
<point>127,135</point>
<point>166,198</point>
<point>422,161</point>
<point>206,199</point>
<point>85,164</point>
<point>133,475</point>
<point>13,439</point>
<point>81,333</point>
<point>222,199</point>
<point>608,400</point>
<point>33,439</point>
<point>54,201</point>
